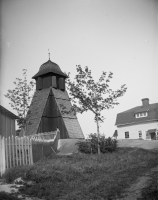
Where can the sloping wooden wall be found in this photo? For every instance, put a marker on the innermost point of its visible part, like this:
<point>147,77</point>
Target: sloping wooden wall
<point>52,119</point>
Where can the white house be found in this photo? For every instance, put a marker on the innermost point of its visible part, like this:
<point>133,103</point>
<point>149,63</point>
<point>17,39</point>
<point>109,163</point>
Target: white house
<point>140,122</point>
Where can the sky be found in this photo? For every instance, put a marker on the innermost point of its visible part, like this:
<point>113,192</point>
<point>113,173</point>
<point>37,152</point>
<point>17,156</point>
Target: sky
<point>120,36</point>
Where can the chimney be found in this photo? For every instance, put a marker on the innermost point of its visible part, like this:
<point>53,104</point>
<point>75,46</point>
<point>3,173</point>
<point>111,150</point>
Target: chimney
<point>145,102</point>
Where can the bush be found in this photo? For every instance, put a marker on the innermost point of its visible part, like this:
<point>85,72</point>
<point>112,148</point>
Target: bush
<point>15,172</point>
<point>91,145</point>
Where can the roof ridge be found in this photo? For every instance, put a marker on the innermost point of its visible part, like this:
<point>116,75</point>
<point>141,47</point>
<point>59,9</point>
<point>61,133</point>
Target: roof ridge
<point>136,107</point>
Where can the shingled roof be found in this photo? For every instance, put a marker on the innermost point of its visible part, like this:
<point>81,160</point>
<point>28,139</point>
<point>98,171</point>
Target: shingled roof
<point>8,113</point>
<point>37,109</point>
<point>49,67</point>
<point>128,116</point>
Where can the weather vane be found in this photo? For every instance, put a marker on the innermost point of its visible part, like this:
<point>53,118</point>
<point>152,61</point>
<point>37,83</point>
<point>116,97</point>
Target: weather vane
<point>49,54</point>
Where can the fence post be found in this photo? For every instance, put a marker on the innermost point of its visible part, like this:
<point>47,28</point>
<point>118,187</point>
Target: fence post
<point>19,143</point>
<point>25,150</point>
<point>6,152</point>
<point>22,148</point>
<point>13,151</point>
<point>10,156</point>
<point>16,150</point>
<point>1,161</point>
<point>31,155</point>
<point>2,154</point>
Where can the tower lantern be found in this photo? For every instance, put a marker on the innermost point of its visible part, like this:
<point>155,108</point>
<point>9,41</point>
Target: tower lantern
<point>50,75</point>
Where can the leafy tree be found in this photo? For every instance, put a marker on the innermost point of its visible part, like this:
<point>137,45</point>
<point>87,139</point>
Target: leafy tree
<point>20,97</point>
<point>87,94</point>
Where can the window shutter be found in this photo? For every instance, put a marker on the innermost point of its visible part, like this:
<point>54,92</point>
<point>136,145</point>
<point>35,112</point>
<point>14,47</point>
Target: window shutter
<point>54,82</point>
<point>62,83</point>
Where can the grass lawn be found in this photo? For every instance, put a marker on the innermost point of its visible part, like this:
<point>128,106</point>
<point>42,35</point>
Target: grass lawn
<point>82,176</point>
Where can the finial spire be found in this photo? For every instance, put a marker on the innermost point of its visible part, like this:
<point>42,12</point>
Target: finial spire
<point>49,54</point>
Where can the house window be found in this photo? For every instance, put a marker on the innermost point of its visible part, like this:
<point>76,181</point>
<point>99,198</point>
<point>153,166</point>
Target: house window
<point>141,114</point>
<point>140,134</point>
<point>126,134</point>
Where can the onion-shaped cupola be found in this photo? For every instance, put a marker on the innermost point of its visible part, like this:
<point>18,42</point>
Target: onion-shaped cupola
<point>50,75</point>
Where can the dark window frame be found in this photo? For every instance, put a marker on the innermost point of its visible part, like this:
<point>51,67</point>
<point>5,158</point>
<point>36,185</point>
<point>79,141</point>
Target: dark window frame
<point>127,134</point>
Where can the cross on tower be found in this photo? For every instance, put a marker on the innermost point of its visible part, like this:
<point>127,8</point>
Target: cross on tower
<point>49,54</point>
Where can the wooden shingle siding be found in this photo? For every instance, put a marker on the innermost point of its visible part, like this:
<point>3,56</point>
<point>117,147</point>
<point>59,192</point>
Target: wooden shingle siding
<point>36,110</point>
<point>73,128</point>
<point>7,123</point>
<point>67,105</point>
<point>60,94</point>
<point>45,114</point>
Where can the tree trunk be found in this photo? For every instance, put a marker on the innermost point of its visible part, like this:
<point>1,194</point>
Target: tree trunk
<point>98,135</point>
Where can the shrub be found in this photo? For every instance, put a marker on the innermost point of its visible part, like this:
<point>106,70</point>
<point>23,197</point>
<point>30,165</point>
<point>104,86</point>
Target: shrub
<point>84,146</point>
<point>91,145</point>
<point>8,196</point>
<point>15,172</point>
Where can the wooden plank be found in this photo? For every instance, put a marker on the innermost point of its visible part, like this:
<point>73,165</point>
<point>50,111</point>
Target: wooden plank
<point>31,155</point>
<point>3,155</point>
<point>0,155</point>
<point>13,153</point>
<point>9,153</point>
<point>16,150</point>
<point>22,147</point>
<point>26,150</point>
<point>19,147</point>
<point>6,153</point>
<point>62,83</point>
<point>3,123</point>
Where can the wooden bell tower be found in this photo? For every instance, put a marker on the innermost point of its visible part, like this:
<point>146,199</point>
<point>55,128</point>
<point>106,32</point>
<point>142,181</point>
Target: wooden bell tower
<point>45,112</point>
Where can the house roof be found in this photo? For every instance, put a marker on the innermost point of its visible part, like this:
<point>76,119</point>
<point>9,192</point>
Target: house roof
<point>37,109</point>
<point>49,67</point>
<point>8,113</point>
<point>128,116</point>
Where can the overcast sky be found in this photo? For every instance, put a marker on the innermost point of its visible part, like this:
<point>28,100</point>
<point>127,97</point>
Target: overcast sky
<point>106,35</point>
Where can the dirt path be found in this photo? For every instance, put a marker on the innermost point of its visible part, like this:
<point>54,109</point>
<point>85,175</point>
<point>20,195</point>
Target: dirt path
<point>135,190</point>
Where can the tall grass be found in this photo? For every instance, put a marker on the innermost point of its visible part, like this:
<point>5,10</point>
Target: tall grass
<point>82,176</point>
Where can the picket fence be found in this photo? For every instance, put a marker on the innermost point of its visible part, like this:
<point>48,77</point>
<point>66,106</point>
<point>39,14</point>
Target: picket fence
<point>15,151</point>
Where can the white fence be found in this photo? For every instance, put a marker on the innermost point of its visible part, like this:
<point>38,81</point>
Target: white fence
<point>15,151</point>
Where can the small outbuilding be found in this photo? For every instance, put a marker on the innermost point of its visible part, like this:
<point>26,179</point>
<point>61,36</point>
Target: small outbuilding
<point>7,123</point>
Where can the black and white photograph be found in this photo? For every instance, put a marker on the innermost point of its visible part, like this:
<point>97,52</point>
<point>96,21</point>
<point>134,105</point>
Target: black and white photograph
<point>79,99</point>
